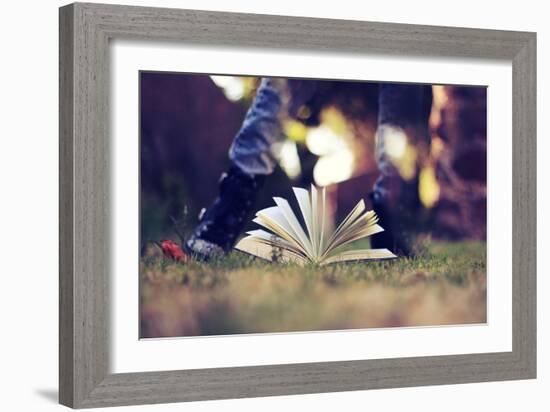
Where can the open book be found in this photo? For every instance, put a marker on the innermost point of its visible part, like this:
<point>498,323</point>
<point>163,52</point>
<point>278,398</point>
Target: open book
<point>285,239</point>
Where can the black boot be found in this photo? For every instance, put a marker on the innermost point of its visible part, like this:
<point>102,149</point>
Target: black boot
<point>394,237</point>
<point>223,222</point>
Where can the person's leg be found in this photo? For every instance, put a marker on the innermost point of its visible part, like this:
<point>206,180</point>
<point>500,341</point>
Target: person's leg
<point>251,161</point>
<point>251,150</point>
<point>404,111</point>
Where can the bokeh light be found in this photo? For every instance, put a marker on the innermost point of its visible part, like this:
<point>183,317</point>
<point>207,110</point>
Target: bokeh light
<point>323,140</point>
<point>395,142</point>
<point>428,188</point>
<point>286,153</point>
<point>233,87</point>
<point>334,168</point>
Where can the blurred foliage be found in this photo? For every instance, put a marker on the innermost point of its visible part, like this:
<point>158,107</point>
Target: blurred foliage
<point>188,123</point>
<point>295,131</point>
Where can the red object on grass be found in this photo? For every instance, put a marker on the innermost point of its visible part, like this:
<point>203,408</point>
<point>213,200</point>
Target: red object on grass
<point>172,250</point>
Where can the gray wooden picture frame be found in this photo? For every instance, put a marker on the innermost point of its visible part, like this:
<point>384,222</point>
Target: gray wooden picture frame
<point>85,31</point>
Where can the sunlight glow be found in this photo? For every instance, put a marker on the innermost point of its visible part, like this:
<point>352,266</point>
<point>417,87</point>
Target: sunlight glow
<point>395,142</point>
<point>323,140</point>
<point>233,87</point>
<point>334,168</point>
<point>286,153</point>
<point>428,187</point>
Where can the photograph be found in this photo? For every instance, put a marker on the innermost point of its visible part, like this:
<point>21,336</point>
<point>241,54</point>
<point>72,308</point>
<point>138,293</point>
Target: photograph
<point>278,205</point>
<point>261,203</point>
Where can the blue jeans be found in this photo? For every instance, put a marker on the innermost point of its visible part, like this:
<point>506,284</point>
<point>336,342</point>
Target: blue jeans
<point>252,148</point>
<point>403,108</point>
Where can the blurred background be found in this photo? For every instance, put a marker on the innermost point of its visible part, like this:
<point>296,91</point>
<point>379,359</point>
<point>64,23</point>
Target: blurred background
<point>188,123</point>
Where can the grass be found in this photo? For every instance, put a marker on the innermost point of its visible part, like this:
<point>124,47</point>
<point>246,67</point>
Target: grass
<point>236,294</point>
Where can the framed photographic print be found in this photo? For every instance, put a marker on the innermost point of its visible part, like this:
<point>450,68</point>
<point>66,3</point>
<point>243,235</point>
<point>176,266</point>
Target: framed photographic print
<point>257,205</point>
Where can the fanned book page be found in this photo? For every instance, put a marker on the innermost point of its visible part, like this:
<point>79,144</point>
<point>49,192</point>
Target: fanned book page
<point>285,240</point>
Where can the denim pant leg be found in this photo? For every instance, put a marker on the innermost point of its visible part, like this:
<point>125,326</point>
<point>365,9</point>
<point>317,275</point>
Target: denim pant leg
<point>251,150</point>
<point>403,114</point>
